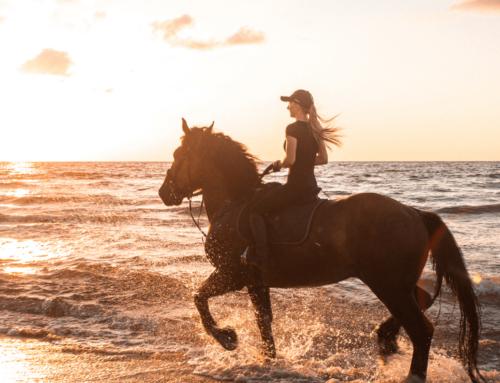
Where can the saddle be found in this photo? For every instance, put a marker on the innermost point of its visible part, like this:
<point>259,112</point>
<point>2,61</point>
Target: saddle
<point>286,227</point>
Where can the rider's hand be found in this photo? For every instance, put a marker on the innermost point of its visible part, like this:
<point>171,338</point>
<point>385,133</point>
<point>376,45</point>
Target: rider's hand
<point>276,166</point>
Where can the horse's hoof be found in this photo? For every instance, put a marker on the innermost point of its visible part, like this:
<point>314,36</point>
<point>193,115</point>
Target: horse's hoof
<point>267,361</point>
<point>387,348</point>
<point>227,338</point>
<point>269,353</point>
<point>413,379</point>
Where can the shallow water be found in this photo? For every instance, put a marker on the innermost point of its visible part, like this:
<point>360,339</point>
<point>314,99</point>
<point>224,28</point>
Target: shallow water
<point>91,259</point>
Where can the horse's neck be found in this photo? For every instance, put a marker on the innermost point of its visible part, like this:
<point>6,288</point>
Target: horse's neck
<point>215,194</point>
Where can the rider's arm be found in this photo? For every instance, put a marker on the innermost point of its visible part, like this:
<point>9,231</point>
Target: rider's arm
<point>322,155</point>
<point>291,149</point>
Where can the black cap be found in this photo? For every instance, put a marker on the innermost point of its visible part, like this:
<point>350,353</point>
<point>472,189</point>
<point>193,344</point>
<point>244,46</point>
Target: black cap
<point>301,97</point>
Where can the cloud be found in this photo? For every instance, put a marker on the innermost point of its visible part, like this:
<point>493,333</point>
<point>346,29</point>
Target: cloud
<point>199,45</point>
<point>2,19</point>
<point>246,35</point>
<point>483,6</point>
<point>171,28</point>
<point>108,90</point>
<point>49,61</point>
<point>99,16</point>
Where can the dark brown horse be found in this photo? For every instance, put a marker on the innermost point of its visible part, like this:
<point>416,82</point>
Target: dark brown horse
<point>367,236</point>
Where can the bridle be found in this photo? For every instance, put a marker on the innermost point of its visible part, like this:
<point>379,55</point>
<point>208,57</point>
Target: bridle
<point>174,187</point>
<point>176,192</point>
<point>178,195</point>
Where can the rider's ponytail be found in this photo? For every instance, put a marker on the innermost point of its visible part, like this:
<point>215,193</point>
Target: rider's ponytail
<point>324,129</point>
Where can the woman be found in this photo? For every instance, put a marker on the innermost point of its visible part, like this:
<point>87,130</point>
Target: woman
<point>306,142</point>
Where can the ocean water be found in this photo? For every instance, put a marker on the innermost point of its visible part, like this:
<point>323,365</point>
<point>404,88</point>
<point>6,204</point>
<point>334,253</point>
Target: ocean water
<point>91,259</point>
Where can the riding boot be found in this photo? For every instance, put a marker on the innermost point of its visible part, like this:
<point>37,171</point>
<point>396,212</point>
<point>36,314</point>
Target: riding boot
<point>260,256</point>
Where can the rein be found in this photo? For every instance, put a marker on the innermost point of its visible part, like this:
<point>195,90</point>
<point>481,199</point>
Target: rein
<point>264,173</point>
<point>176,192</point>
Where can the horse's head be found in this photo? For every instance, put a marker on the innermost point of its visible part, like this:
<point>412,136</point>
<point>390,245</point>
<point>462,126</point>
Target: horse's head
<point>185,175</point>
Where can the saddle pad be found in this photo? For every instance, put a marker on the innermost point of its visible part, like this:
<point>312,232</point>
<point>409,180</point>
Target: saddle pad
<point>287,227</point>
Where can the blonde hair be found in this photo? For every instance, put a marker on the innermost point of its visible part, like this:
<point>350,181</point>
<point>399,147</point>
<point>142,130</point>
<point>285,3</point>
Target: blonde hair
<point>324,129</point>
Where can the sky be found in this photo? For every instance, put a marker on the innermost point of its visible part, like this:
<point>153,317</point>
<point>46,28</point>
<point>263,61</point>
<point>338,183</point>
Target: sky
<point>109,80</point>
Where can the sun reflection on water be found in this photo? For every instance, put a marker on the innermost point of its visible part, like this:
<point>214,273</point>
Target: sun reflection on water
<point>18,193</point>
<point>20,168</point>
<point>12,363</point>
<point>19,270</point>
<point>18,257</point>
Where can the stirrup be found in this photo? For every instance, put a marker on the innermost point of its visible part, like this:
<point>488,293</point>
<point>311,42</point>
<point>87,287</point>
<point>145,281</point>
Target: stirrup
<point>244,258</point>
<point>263,266</point>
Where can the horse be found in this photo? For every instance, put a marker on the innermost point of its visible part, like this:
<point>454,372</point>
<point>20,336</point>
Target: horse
<point>368,236</point>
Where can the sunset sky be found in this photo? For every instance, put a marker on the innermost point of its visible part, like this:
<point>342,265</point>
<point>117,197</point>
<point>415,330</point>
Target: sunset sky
<point>109,80</point>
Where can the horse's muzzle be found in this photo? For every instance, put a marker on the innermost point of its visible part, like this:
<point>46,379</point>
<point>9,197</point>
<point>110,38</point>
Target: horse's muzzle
<point>169,195</point>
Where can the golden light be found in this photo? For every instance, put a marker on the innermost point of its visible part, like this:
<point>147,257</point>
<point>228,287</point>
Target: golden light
<point>21,256</point>
<point>477,279</point>
<point>18,193</point>
<point>12,363</point>
<point>15,168</point>
<point>19,270</point>
<point>10,206</point>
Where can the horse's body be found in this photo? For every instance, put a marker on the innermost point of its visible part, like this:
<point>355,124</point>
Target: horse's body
<point>368,236</point>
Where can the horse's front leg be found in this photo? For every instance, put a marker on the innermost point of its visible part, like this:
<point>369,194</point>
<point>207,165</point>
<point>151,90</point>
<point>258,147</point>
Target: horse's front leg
<point>261,301</point>
<point>216,284</point>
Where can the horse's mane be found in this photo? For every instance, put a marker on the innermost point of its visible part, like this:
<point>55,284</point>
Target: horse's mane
<point>230,157</point>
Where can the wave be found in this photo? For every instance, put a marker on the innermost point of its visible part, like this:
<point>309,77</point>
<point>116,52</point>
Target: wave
<point>485,286</point>
<point>82,175</point>
<point>99,317</point>
<point>45,199</point>
<point>76,175</point>
<point>333,192</point>
<point>16,185</point>
<point>69,218</point>
<point>466,209</point>
<point>90,290</point>
<point>100,199</point>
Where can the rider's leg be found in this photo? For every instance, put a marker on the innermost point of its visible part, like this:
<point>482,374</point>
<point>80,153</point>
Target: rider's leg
<point>275,200</point>
<point>259,231</point>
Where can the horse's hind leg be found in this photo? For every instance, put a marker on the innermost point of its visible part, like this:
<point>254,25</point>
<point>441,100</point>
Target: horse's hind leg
<point>406,311</point>
<point>389,329</point>
<point>216,284</point>
<point>261,301</point>
<point>386,334</point>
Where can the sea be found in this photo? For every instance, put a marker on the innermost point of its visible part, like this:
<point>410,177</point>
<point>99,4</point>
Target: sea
<point>92,262</point>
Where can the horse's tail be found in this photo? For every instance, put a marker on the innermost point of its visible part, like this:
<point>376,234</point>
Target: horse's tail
<point>448,262</point>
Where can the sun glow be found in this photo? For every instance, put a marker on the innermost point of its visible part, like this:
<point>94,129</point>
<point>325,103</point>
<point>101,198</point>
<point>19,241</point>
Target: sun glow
<point>18,193</point>
<point>110,80</point>
<point>13,363</point>
<point>20,256</point>
<point>20,168</point>
<point>19,270</point>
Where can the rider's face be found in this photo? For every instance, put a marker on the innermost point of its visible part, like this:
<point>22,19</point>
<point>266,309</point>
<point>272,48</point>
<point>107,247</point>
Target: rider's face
<point>293,107</point>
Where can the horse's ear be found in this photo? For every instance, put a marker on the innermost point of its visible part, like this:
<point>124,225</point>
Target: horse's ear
<point>185,127</point>
<point>211,127</point>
